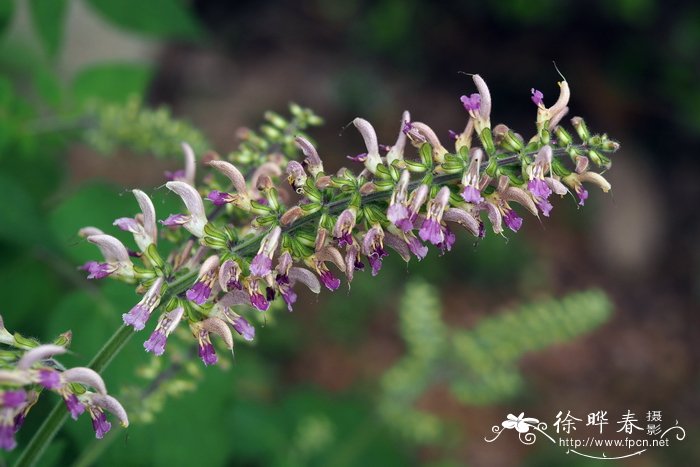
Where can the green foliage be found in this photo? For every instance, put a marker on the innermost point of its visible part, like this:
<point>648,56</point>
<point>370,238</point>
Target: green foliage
<point>156,18</point>
<point>111,82</point>
<point>478,365</point>
<point>48,18</point>
<point>140,129</point>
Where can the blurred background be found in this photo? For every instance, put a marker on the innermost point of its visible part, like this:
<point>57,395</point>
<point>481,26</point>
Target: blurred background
<point>412,367</point>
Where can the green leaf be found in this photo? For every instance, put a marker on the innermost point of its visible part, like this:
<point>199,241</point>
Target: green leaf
<point>21,223</point>
<point>157,18</point>
<point>48,18</point>
<point>7,8</point>
<point>111,82</point>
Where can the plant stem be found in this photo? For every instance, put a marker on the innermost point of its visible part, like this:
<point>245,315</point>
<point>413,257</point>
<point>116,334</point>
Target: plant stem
<point>46,432</point>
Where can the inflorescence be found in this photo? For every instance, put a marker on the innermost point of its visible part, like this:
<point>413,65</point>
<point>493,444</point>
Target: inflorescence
<point>29,369</point>
<point>262,237</point>
<point>260,240</point>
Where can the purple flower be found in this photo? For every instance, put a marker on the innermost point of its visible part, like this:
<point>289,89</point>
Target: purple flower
<point>537,97</point>
<point>431,231</point>
<point>453,135</point>
<point>406,224</point>
<point>175,220</point>
<point>207,352</point>
<point>176,175</point>
<point>244,328</point>
<point>100,424</point>
<point>582,194</point>
<point>329,280</point>
<point>156,343</point>
<point>539,188</point>
<point>74,406</point>
<point>471,103</point>
<point>14,399</point>
<point>199,293</point>
<point>7,436</point>
<point>375,259</point>
<point>128,224</point>
<point>407,127</point>
<point>513,220</point>
<point>261,265</point>
<point>448,240</point>
<point>50,379</point>
<point>219,198</point>
<point>137,316</point>
<point>397,213</point>
<point>344,225</point>
<point>358,158</point>
<point>166,325</point>
<point>289,296</point>
<point>258,301</point>
<point>97,270</point>
<point>417,248</point>
<point>545,206</point>
<point>471,195</point>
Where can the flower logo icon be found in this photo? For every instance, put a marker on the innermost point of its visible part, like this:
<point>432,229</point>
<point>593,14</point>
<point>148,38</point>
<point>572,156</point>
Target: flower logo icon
<point>520,423</point>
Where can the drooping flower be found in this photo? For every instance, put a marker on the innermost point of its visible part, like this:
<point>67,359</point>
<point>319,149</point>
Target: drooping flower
<point>166,325</point>
<point>313,161</point>
<point>195,221</point>
<point>344,226</point>
<point>257,299</point>
<point>317,262</point>
<point>373,248</point>
<point>96,405</point>
<point>203,329</point>
<point>229,275</point>
<point>143,226</point>
<point>470,178</point>
<point>117,262</point>
<point>537,185</point>
<point>241,198</point>
<point>262,263</point>
<point>428,135</point>
<point>416,200</point>
<point>200,292</point>
<point>140,313</point>
<point>431,230</point>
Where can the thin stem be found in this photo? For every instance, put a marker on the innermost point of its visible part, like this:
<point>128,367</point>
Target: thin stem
<point>58,414</point>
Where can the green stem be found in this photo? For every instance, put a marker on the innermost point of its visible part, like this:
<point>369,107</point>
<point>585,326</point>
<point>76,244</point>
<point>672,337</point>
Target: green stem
<point>41,439</point>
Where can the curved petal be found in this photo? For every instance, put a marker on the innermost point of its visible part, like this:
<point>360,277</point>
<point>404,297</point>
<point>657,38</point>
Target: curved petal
<point>38,354</point>
<point>232,173</point>
<point>112,249</point>
<point>149,214</point>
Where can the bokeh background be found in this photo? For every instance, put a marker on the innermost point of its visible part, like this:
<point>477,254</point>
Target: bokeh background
<point>323,385</point>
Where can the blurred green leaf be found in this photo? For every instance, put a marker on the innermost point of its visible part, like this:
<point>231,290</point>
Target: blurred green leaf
<point>111,82</point>
<point>48,87</point>
<point>20,222</point>
<point>7,8</point>
<point>48,17</point>
<point>95,204</point>
<point>158,18</point>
